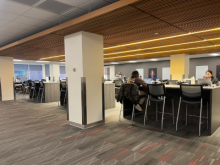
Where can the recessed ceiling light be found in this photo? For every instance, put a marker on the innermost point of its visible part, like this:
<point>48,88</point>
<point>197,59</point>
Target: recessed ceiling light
<point>42,61</point>
<point>153,59</point>
<point>131,61</point>
<point>156,33</point>
<point>214,54</point>
<point>16,60</point>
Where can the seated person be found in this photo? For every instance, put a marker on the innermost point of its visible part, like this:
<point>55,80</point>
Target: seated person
<point>118,77</point>
<point>210,75</point>
<point>138,81</point>
<point>17,79</point>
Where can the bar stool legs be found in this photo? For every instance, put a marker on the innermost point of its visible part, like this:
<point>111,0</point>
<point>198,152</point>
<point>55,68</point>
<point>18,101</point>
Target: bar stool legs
<point>145,114</point>
<point>186,113</point>
<point>173,111</point>
<point>133,114</point>
<point>178,114</point>
<point>200,118</point>
<point>164,99</point>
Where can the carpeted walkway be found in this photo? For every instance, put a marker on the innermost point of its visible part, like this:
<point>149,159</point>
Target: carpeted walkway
<point>37,134</point>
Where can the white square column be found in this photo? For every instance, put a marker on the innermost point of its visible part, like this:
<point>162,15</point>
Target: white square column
<point>85,76</point>
<point>54,72</point>
<point>6,78</point>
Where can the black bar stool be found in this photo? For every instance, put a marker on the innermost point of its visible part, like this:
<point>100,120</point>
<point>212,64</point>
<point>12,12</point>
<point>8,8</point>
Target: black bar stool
<point>63,90</point>
<point>157,93</point>
<point>32,89</point>
<point>126,91</point>
<point>41,91</point>
<point>26,88</point>
<point>192,94</point>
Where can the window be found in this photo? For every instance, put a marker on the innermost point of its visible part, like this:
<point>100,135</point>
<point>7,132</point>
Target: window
<point>62,72</point>
<point>20,70</point>
<point>106,73</point>
<point>47,70</point>
<point>36,72</point>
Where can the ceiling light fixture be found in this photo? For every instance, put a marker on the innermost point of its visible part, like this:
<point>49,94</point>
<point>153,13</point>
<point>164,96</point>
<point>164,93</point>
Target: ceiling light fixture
<point>17,60</point>
<point>157,47</point>
<point>114,63</point>
<point>214,54</point>
<point>52,57</point>
<point>131,61</point>
<point>162,52</point>
<point>41,61</point>
<point>153,59</point>
<point>164,38</point>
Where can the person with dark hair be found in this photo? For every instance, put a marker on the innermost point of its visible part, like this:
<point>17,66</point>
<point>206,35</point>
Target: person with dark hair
<point>138,81</point>
<point>210,75</point>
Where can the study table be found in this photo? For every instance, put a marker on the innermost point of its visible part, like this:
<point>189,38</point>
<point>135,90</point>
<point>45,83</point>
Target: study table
<point>211,94</point>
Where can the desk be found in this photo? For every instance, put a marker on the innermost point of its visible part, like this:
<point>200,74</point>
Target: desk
<point>212,94</point>
<point>109,95</point>
<point>52,92</point>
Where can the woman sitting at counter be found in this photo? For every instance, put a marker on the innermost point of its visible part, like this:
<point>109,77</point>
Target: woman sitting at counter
<point>138,81</point>
<point>210,75</point>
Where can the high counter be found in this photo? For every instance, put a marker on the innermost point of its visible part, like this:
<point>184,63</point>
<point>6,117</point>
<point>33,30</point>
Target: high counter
<point>211,94</point>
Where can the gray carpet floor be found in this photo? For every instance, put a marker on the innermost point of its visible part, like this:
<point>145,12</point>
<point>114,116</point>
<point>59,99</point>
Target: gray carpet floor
<point>32,133</point>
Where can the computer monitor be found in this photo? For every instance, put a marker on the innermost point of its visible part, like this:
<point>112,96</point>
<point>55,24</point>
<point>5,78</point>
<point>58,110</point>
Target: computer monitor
<point>205,81</point>
<point>147,80</point>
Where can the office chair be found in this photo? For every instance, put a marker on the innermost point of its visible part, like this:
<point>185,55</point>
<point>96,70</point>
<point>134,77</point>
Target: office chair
<point>192,94</point>
<point>157,93</point>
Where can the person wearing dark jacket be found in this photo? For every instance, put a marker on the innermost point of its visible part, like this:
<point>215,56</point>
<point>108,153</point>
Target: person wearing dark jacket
<point>138,81</point>
<point>210,75</point>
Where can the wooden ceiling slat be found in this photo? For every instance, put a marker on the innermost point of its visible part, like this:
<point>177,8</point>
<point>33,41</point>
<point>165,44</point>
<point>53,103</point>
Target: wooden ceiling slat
<point>135,22</point>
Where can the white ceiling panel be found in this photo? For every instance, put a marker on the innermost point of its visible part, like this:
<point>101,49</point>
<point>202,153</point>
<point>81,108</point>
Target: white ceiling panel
<point>2,33</point>
<point>7,16</point>
<point>94,5</point>
<point>75,13</point>
<point>73,2</point>
<point>18,25</point>
<point>3,22</point>
<point>60,19</point>
<point>13,7</point>
<point>28,20</point>
<point>40,14</point>
<point>11,30</point>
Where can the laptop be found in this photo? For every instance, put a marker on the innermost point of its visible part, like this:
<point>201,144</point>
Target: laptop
<point>206,81</point>
<point>147,80</point>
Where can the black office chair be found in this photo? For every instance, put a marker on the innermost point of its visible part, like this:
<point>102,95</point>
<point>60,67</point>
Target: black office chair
<point>40,94</point>
<point>43,80</point>
<point>192,94</point>
<point>63,89</point>
<point>157,93</point>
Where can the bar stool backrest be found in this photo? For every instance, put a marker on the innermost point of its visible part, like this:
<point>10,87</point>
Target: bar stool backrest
<point>156,90</point>
<point>63,85</point>
<point>191,91</point>
<point>41,84</point>
<point>32,84</point>
<point>118,83</point>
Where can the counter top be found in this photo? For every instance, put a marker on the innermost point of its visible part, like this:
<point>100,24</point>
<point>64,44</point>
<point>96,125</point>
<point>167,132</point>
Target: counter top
<point>178,86</point>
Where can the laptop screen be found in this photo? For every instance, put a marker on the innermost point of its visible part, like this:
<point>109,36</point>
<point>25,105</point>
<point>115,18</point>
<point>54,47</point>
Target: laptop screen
<point>147,80</point>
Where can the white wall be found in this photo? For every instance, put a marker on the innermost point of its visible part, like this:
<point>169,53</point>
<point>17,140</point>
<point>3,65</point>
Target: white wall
<point>55,72</point>
<point>7,78</point>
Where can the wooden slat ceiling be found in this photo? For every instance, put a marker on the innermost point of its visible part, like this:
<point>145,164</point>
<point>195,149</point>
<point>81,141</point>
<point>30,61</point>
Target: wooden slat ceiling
<point>144,20</point>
